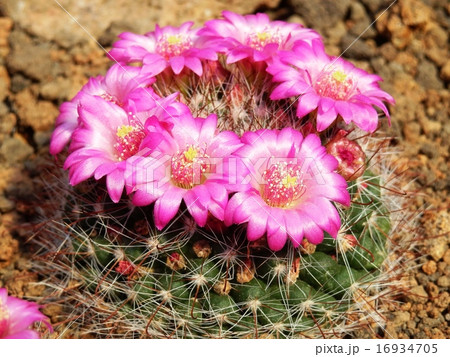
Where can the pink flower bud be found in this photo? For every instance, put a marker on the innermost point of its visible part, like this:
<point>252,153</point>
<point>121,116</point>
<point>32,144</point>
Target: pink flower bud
<point>349,154</point>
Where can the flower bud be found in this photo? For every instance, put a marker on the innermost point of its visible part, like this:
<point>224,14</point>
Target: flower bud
<point>349,154</point>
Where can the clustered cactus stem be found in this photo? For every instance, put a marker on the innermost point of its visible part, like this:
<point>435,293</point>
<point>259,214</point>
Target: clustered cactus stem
<point>225,182</point>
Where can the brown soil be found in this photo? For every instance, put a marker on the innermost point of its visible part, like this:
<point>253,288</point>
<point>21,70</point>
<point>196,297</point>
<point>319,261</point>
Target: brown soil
<point>45,58</point>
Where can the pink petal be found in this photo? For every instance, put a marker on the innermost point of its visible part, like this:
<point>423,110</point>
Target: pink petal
<point>323,213</point>
<point>166,207</point>
<point>276,229</point>
<point>153,64</point>
<point>286,90</point>
<point>83,170</point>
<point>197,201</point>
<point>312,232</point>
<point>257,224</point>
<point>208,129</point>
<point>344,110</point>
<point>143,198</point>
<point>324,119</point>
<point>294,227</point>
<point>60,137</point>
<point>177,64</point>
<point>237,55</point>
<point>195,65</point>
<point>115,183</point>
<point>306,104</point>
<point>235,201</point>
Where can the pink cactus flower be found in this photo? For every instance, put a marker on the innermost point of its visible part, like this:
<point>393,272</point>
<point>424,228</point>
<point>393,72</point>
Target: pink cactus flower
<point>174,47</point>
<point>107,136</point>
<point>333,86</point>
<point>254,36</point>
<point>17,315</point>
<point>115,87</point>
<point>287,185</point>
<point>186,164</point>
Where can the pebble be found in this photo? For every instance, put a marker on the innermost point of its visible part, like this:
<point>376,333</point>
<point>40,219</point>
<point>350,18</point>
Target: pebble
<point>22,58</point>
<point>8,123</point>
<point>445,71</point>
<point>19,83</point>
<point>15,149</point>
<point>401,317</point>
<point>414,12</point>
<point>334,34</point>
<point>447,257</point>
<point>443,281</point>
<point>438,334</point>
<point>360,23</point>
<point>6,25</point>
<point>38,114</point>
<point>42,138</point>
<point>388,51</point>
<point>320,15</point>
<point>427,75</point>
<point>430,322</point>
<point>428,149</point>
<point>401,35</point>
<point>6,205</point>
<point>357,49</point>
<point>59,89</point>
<point>8,247</point>
<point>417,294</point>
<point>5,83</point>
<point>429,267</point>
<point>376,5</point>
<point>432,289</point>
<point>438,249</point>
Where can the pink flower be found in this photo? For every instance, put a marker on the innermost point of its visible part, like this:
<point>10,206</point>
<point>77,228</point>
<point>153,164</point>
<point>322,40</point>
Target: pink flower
<point>185,163</point>
<point>287,183</point>
<point>107,136</point>
<point>115,87</point>
<point>254,36</point>
<point>16,316</point>
<point>174,47</point>
<point>331,85</point>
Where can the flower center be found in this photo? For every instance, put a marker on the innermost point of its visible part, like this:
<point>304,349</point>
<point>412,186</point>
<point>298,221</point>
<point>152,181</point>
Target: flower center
<point>129,138</point>
<point>283,185</point>
<point>259,40</point>
<point>334,84</point>
<point>189,167</point>
<point>173,45</point>
<point>4,319</point>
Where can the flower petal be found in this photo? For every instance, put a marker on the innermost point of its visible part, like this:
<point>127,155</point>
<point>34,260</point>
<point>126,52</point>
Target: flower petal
<point>166,207</point>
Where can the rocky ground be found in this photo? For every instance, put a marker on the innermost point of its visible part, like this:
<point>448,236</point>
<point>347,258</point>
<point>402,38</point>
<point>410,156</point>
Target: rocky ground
<point>45,57</point>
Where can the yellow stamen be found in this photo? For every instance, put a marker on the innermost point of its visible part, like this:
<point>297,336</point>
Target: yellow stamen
<point>190,154</point>
<point>124,130</point>
<point>263,36</point>
<point>339,76</point>
<point>174,39</point>
<point>289,181</point>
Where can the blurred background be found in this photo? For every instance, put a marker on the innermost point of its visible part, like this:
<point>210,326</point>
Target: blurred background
<point>49,48</point>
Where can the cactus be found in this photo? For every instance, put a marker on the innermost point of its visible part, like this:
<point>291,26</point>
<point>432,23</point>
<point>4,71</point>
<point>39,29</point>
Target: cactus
<point>117,275</point>
<point>121,277</point>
